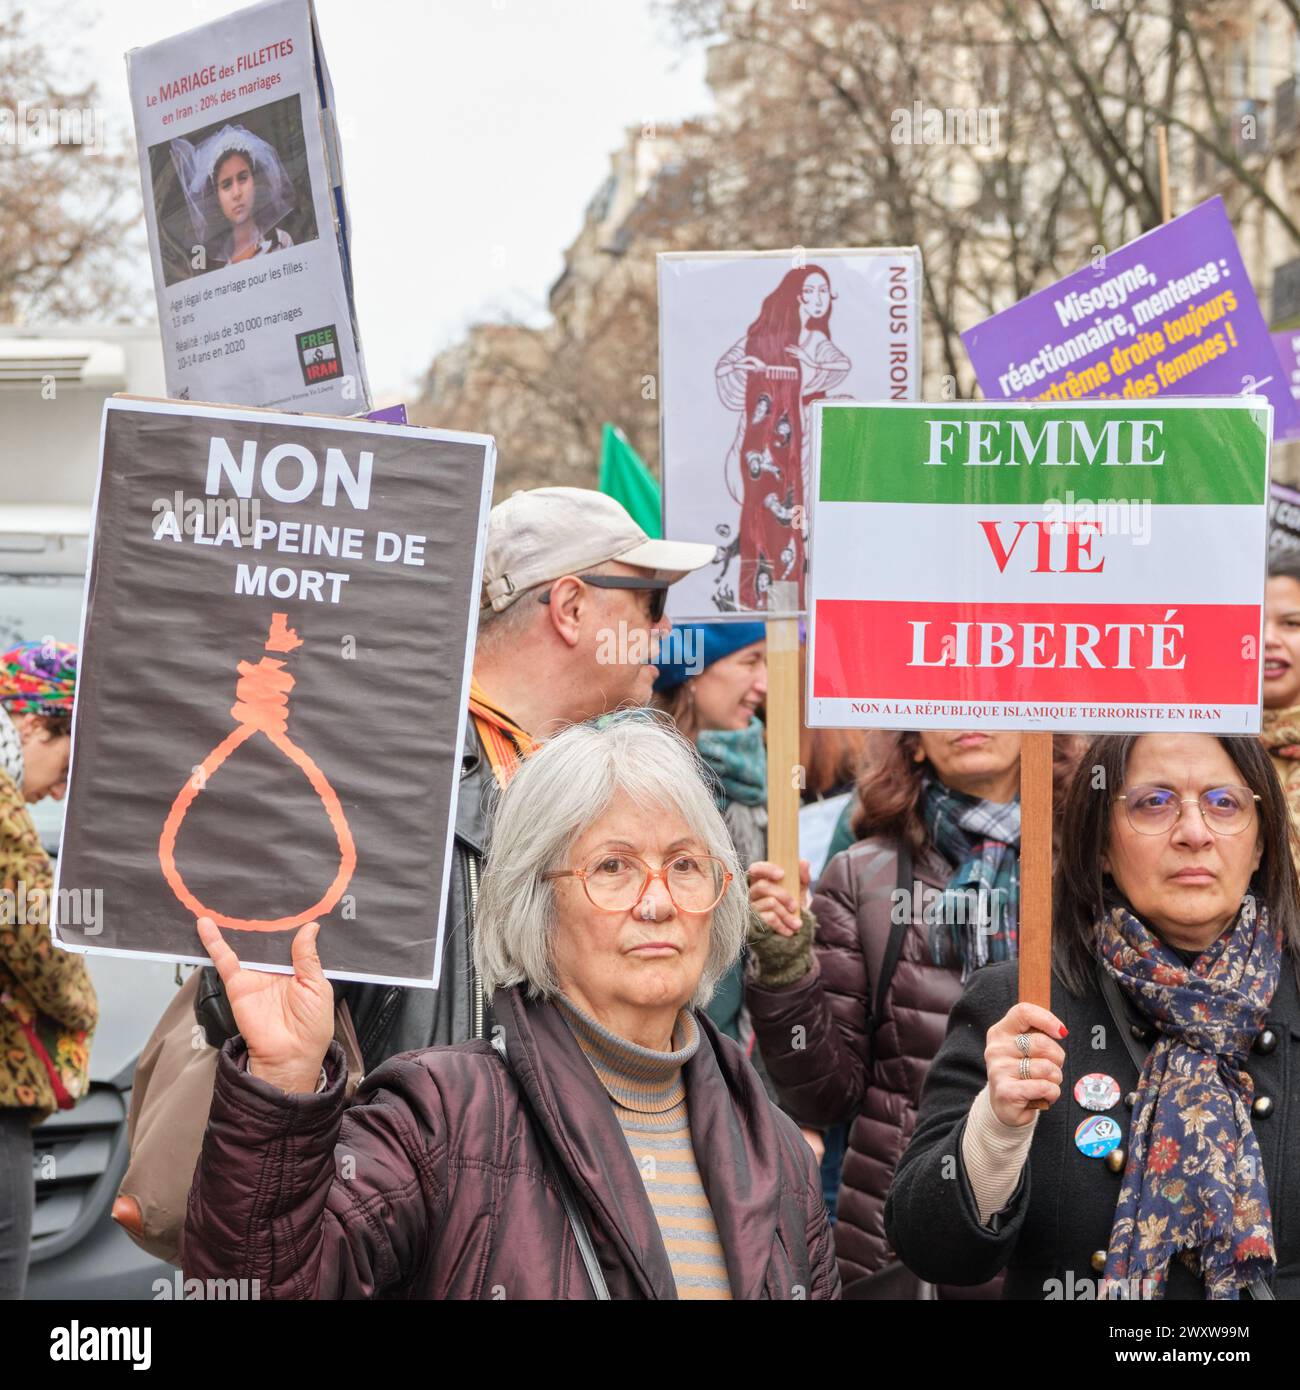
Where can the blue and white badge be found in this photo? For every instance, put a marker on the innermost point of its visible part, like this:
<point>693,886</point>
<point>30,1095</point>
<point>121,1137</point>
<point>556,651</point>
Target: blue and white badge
<point>1097,1136</point>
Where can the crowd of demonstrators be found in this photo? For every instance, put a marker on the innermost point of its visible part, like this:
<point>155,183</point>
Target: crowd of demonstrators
<point>612,902</point>
<point>1176,942</point>
<point>48,1009</point>
<point>850,1000</point>
<point>1281,686</point>
<point>620,1122</point>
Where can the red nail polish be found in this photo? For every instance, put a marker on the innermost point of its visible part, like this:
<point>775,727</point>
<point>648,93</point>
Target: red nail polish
<point>1065,1032</point>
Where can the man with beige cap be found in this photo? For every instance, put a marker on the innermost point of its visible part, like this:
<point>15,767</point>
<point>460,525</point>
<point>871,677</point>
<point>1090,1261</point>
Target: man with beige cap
<point>564,568</point>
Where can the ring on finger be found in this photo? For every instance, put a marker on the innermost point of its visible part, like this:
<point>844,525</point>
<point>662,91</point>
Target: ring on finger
<point>1024,1069</point>
<point>1022,1044</point>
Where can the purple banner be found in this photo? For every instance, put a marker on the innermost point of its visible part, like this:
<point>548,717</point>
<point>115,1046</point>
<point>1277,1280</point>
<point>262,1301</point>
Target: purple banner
<point>1172,313</point>
<point>1283,520</point>
<point>1288,351</point>
<point>389,414</point>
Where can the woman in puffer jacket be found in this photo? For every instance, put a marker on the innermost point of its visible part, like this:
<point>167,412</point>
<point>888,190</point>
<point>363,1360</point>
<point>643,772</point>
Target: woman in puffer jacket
<point>47,1002</point>
<point>850,1003</point>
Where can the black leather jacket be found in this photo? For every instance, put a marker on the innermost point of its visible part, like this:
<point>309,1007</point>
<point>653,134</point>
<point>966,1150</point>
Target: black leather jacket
<point>389,1018</point>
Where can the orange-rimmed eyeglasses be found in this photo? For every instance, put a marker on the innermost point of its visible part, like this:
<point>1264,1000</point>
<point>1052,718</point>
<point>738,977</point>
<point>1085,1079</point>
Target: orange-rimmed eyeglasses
<point>617,882</point>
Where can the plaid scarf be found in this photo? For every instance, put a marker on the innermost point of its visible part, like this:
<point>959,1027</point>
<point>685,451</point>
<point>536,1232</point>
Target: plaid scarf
<point>981,903</point>
<point>738,759</point>
<point>1194,1182</point>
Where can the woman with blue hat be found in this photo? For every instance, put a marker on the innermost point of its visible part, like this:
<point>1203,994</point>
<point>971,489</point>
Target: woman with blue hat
<point>712,682</point>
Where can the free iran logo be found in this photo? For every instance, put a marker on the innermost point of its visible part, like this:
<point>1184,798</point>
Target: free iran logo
<point>318,354</point>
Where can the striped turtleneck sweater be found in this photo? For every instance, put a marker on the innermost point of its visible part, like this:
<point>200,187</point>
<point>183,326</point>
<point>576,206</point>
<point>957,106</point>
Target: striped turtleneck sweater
<point>648,1093</point>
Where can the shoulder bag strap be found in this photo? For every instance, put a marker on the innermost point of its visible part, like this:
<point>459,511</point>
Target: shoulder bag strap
<point>1119,1014</point>
<point>897,932</point>
<point>568,1198</point>
<point>1110,992</point>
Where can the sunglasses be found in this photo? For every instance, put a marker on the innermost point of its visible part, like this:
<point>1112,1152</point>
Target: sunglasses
<point>657,588</point>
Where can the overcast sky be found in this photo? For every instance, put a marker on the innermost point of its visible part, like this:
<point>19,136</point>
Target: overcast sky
<point>475,131</point>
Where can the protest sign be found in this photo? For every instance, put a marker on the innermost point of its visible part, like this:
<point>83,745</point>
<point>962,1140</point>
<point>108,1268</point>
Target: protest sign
<point>1085,568</point>
<point>747,343</point>
<point>1172,313</point>
<point>275,660</point>
<point>1287,346</point>
<point>1283,520</point>
<point>247,221</point>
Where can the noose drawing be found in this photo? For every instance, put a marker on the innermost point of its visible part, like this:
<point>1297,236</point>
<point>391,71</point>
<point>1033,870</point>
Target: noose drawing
<point>261,706</point>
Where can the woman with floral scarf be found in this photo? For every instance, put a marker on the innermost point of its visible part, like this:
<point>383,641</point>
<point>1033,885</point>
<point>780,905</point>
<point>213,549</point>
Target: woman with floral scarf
<point>850,1000</point>
<point>1131,1141</point>
<point>47,1002</point>
<point>1281,732</point>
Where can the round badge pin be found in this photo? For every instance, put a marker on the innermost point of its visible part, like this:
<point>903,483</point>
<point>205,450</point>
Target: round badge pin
<point>1097,1091</point>
<point>1097,1136</point>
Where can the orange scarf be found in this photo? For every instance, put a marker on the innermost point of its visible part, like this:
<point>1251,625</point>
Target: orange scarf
<point>506,743</point>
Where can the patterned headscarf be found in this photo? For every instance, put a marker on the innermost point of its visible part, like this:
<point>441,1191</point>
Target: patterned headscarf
<point>1194,1182</point>
<point>981,903</point>
<point>38,677</point>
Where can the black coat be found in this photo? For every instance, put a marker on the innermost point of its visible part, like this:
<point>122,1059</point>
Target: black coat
<point>1064,1207</point>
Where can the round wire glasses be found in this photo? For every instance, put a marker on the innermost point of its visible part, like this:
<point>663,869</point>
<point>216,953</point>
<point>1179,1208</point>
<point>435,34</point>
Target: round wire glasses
<point>617,882</point>
<point>1155,810</point>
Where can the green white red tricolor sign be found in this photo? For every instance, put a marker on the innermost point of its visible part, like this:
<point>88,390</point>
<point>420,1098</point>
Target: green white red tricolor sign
<point>1091,567</point>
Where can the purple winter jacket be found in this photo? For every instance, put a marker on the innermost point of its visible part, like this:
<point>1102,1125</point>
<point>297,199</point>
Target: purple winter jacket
<point>431,1183</point>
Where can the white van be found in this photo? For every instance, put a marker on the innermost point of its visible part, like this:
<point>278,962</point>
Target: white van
<point>53,384</point>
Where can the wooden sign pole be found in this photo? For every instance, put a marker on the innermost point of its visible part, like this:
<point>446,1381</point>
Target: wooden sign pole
<point>1036,793</point>
<point>1036,869</point>
<point>783,747</point>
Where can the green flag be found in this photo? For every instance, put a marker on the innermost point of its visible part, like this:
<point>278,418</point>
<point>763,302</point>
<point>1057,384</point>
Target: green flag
<point>626,479</point>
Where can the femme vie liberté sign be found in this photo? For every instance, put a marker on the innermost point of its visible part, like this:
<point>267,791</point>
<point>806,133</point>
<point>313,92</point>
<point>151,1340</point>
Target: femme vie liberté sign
<point>1090,567</point>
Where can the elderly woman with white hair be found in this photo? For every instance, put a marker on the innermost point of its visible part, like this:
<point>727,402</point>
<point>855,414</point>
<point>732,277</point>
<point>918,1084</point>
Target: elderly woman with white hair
<point>608,1143</point>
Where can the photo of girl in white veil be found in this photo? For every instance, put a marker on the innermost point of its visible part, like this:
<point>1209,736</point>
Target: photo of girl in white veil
<point>237,193</point>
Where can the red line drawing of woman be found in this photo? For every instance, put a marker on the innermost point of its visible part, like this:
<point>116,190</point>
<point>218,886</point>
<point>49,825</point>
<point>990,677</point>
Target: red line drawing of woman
<point>785,361</point>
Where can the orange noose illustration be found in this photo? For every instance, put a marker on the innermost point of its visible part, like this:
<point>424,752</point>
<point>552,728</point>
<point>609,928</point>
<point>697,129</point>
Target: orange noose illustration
<point>261,706</point>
